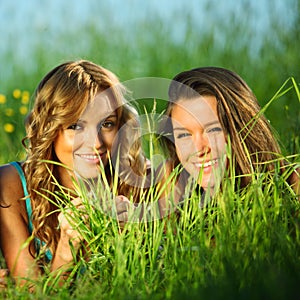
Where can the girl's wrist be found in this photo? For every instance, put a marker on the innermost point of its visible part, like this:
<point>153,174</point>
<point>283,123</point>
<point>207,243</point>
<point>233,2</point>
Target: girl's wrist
<point>65,250</point>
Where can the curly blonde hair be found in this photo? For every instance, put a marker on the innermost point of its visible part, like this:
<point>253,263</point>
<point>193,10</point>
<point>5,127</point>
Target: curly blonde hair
<point>60,99</point>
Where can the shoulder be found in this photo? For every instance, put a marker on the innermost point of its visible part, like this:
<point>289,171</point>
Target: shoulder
<point>11,188</point>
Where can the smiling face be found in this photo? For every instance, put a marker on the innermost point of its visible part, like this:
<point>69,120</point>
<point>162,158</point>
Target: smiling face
<point>85,145</point>
<point>199,139</point>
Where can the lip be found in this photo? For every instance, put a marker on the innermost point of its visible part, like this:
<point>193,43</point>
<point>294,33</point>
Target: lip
<point>206,164</point>
<point>93,158</point>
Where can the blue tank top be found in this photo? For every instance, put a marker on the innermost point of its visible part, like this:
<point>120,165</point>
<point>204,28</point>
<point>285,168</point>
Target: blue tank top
<point>38,243</point>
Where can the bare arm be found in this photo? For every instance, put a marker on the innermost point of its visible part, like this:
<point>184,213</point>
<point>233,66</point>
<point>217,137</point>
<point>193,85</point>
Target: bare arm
<point>70,237</point>
<point>14,232</point>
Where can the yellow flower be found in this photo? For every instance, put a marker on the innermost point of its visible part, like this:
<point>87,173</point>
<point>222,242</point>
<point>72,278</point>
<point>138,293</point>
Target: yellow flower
<point>25,97</point>
<point>2,99</point>
<point>23,110</point>
<point>17,93</point>
<point>8,127</point>
<point>9,112</point>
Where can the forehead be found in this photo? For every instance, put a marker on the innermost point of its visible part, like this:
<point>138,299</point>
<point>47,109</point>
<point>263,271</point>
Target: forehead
<point>201,110</point>
<point>102,105</point>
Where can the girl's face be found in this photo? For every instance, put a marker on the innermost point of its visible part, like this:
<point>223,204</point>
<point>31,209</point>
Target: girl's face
<point>199,139</point>
<point>85,145</point>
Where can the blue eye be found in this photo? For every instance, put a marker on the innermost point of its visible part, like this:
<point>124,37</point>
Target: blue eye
<point>215,129</point>
<point>183,135</point>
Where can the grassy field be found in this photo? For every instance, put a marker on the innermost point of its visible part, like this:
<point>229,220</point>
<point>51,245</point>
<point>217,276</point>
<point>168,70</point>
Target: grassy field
<point>244,244</point>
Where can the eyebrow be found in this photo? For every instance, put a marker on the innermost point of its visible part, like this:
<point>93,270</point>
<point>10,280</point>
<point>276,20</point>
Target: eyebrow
<point>205,125</point>
<point>113,115</point>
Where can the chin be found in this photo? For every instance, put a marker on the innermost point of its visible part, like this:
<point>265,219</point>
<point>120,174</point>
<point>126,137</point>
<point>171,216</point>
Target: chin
<point>205,182</point>
<point>88,174</point>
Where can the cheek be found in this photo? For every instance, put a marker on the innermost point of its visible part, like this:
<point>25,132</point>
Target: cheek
<point>183,150</point>
<point>218,144</point>
<point>63,146</point>
<point>75,141</point>
<point>222,144</point>
<point>109,138</point>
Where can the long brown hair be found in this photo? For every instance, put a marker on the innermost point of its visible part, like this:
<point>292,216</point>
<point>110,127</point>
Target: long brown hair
<point>252,140</point>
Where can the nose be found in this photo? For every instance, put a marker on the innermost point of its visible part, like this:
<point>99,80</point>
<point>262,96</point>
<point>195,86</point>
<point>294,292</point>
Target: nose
<point>202,144</point>
<point>93,139</point>
<point>98,142</point>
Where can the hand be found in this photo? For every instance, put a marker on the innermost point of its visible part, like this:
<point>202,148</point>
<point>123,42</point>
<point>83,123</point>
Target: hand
<point>3,278</point>
<point>68,223</point>
<point>125,210</point>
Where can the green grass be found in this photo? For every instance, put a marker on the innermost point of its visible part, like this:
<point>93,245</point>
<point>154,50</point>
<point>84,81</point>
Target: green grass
<point>242,245</point>
<point>247,246</point>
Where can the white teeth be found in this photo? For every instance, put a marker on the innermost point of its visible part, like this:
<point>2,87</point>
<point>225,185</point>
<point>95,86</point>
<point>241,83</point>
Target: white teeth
<point>207,164</point>
<point>89,156</point>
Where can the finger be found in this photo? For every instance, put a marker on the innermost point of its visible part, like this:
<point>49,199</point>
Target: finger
<point>122,207</point>
<point>74,211</point>
<point>3,272</point>
<point>70,220</point>
<point>121,199</point>
<point>122,203</point>
<point>3,277</point>
<point>3,283</point>
<point>73,234</point>
<point>122,217</point>
<point>76,202</point>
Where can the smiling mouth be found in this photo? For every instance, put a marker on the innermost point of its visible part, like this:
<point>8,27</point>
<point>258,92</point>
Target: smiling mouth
<point>206,164</point>
<point>92,157</point>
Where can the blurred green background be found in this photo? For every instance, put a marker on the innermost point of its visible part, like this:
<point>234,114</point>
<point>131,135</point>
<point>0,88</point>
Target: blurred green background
<point>257,39</point>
